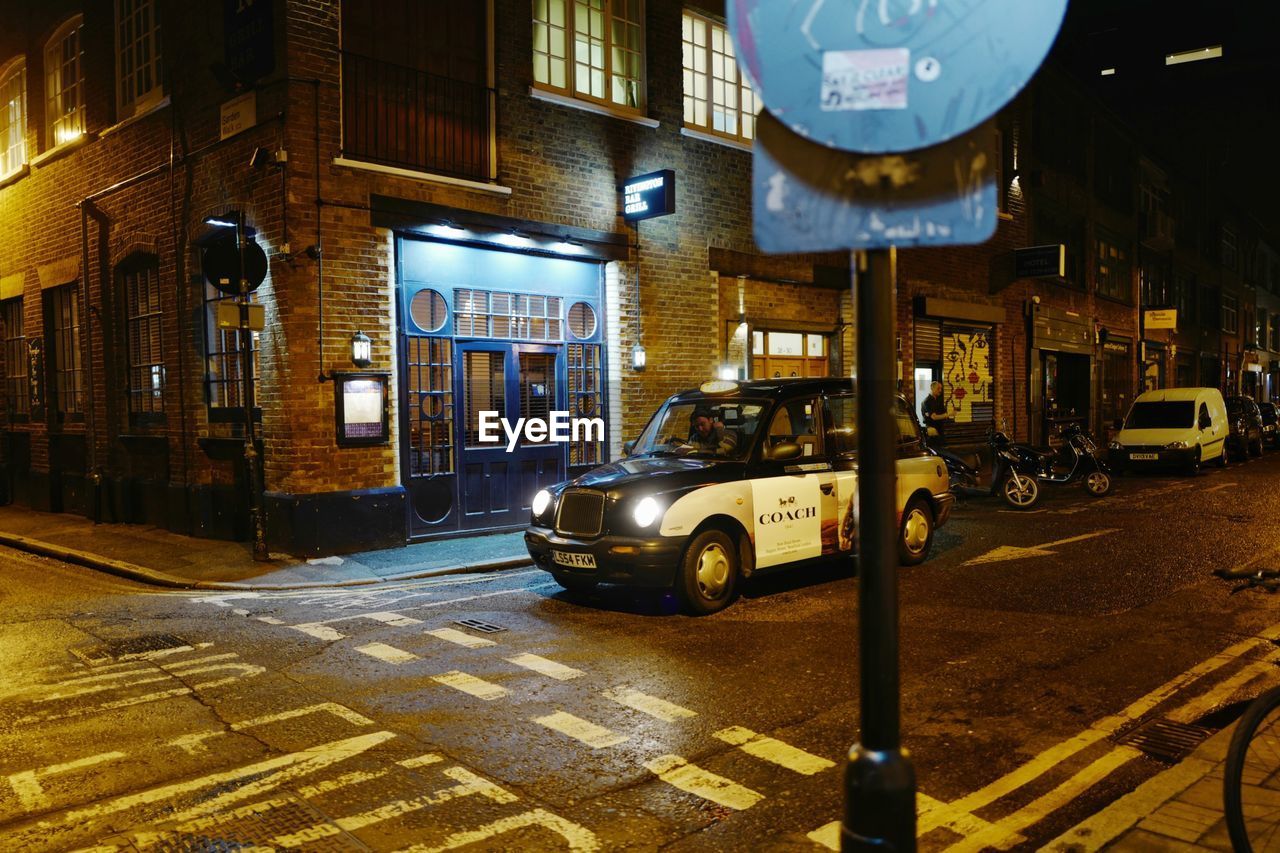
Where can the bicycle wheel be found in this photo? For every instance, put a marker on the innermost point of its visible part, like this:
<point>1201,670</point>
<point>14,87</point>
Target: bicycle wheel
<point>1251,778</point>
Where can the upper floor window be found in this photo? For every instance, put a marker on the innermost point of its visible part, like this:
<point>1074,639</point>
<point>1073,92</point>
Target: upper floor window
<point>138,79</point>
<point>1230,313</point>
<point>1112,274</point>
<point>64,84</point>
<point>13,117</point>
<point>717,97</point>
<point>590,49</point>
<point>1154,281</point>
<point>1230,249</point>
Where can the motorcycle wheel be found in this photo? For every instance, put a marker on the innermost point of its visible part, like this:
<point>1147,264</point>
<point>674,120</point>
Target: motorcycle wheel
<point>1097,483</point>
<point>1020,498</point>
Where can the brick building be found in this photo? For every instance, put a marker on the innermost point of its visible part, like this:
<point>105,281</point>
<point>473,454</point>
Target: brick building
<point>443,179</point>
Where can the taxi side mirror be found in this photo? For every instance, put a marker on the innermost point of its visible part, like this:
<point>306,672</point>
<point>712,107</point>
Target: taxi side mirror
<point>782,451</point>
<point>628,446</point>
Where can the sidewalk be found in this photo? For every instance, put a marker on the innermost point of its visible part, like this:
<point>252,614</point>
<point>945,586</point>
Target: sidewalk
<point>154,556</point>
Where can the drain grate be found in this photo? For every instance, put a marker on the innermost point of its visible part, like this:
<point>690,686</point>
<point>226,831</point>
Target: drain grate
<point>131,648</point>
<point>477,625</point>
<point>1165,740</point>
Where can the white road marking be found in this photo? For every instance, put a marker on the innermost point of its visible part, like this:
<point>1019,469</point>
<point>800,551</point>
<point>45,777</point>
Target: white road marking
<point>388,654</point>
<point>596,737</point>
<point>678,773</point>
<point>105,706</point>
<point>468,784</point>
<point>659,709</point>
<point>421,760</point>
<point>27,784</point>
<point>774,751</point>
<point>579,838</point>
<point>460,638</point>
<point>396,619</point>
<point>549,668</point>
<point>340,711</point>
<point>943,814</point>
<point>270,620</point>
<point>1014,552</point>
<point>240,611</point>
<point>471,685</point>
<point>828,835</point>
<point>319,631</point>
<point>1219,487</point>
<point>193,744</point>
<point>1206,702</point>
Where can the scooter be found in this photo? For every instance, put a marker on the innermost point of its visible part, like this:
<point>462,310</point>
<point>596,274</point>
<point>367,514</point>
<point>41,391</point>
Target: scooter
<point>1077,460</point>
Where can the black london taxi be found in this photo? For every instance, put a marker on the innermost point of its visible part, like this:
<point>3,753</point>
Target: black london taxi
<point>727,480</point>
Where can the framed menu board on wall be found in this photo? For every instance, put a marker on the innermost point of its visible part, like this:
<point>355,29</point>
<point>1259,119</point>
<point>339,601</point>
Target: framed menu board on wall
<point>361,409</point>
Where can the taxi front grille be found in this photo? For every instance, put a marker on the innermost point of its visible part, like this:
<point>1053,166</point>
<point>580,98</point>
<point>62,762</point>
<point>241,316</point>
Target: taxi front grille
<point>581,514</point>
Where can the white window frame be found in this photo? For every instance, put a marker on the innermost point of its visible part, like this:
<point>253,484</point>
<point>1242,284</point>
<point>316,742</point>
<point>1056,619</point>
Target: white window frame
<point>13,117</point>
<point>573,65</point>
<point>63,126</point>
<point>132,71</point>
<point>707,82</point>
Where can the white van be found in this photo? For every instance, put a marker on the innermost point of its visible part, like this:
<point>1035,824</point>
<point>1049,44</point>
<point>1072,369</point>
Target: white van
<point>1180,427</point>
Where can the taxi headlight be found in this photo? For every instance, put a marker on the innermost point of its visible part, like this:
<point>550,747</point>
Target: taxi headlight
<point>646,512</point>
<point>541,501</point>
<point>1177,445</point>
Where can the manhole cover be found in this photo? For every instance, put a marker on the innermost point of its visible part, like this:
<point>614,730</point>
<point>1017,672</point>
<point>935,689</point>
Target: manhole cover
<point>1165,740</point>
<point>131,648</point>
<point>477,625</point>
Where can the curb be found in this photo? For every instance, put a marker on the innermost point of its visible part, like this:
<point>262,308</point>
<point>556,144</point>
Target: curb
<point>137,573</point>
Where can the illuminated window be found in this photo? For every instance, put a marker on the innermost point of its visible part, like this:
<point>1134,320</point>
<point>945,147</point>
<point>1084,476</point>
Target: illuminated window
<point>590,49</point>
<point>717,97</point>
<point>223,383</point>
<point>64,84</point>
<point>141,288</point>
<point>62,330</point>
<point>13,117</point>
<point>138,74</point>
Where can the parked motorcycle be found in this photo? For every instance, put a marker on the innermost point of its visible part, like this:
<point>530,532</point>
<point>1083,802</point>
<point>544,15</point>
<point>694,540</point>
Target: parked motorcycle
<point>1017,470</point>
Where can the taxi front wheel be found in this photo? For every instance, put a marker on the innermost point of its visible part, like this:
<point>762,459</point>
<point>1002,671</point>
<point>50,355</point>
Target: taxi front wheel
<point>708,573</point>
<point>917,533</point>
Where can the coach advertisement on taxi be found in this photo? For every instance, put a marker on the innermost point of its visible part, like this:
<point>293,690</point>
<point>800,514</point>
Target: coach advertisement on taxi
<point>725,480</point>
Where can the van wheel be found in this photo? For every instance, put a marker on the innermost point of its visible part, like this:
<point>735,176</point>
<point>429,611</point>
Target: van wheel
<point>1224,457</point>
<point>1255,449</point>
<point>708,573</point>
<point>574,583</point>
<point>916,536</point>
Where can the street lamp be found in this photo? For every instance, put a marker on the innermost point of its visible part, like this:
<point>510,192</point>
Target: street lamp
<point>361,350</point>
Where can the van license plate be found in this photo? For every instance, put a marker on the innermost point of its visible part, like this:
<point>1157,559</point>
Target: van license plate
<point>1151,457</point>
<point>577,561</point>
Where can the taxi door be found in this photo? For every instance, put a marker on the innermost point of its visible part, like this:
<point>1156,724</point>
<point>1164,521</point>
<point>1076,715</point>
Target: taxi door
<point>917,467</point>
<point>794,500</point>
<point>842,448</point>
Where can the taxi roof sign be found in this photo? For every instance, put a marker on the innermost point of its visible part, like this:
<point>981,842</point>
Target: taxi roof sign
<point>718,386</point>
<point>880,76</point>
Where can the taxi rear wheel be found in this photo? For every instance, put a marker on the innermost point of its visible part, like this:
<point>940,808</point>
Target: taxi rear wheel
<point>916,536</point>
<point>708,573</point>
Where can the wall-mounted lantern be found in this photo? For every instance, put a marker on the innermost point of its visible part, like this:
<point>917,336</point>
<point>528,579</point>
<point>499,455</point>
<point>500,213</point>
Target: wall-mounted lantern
<point>637,358</point>
<point>361,350</point>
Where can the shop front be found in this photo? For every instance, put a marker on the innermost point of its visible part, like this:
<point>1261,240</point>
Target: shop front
<point>1117,383</point>
<point>1061,368</point>
<point>955,343</point>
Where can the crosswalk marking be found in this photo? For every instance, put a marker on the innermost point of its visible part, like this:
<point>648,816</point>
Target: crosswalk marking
<point>421,760</point>
<point>677,772</point>
<point>397,619</point>
<point>579,838</point>
<point>828,835</point>
<point>320,632</point>
<point>596,737</point>
<point>657,708</point>
<point>549,668</point>
<point>389,654</point>
<point>27,784</point>
<point>774,751</point>
<point>470,685</point>
<point>460,638</point>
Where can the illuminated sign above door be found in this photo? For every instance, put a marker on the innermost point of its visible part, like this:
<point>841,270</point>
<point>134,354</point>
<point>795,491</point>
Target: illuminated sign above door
<point>647,196</point>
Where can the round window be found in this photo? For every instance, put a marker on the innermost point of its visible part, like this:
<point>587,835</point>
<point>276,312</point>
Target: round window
<point>582,320</point>
<point>428,310</point>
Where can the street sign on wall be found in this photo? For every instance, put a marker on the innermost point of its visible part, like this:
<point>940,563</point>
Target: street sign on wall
<point>647,196</point>
<point>890,75</point>
<point>1040,261</point>
<point>808,198</point>
<point>1160,318</point>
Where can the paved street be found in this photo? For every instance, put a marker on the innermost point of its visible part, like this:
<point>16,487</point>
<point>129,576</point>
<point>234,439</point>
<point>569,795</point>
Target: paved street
<point>372,717</point>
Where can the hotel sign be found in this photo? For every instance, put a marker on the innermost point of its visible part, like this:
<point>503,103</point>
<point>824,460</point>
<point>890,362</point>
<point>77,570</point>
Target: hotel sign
<point>1040,261</point>
<point>647,196</point>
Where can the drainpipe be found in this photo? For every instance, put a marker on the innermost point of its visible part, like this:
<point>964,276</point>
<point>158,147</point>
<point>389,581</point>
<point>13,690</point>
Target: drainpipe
<point>93,475</point>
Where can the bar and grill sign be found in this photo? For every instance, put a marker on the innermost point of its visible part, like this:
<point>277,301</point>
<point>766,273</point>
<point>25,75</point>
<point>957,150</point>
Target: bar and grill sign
<point>647,196</point>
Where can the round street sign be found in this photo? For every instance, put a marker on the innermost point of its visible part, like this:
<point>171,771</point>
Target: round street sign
<point>880,76</point>
<point>221,264</point>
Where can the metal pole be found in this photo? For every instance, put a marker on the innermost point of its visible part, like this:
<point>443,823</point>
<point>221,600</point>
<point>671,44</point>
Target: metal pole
<point>880,811</point>
<point>260,552</point>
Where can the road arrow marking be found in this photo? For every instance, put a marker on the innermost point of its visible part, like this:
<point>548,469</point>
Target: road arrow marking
<point>1014,552</point>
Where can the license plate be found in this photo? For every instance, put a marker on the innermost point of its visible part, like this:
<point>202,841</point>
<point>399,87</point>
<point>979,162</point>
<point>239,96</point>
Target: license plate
<point>1145,456</point>
<point>577,561</point>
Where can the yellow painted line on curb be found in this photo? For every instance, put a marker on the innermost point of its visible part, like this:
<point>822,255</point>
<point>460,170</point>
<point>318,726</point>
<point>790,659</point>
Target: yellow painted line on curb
<point>659,709</point>
<point>579,838</point>
<point>596,737</point>
<point>1206,702</point>
<point>452,635</point>
<point>320,632</point>
<point>774,751</point>
<point>27,784</point>
<point>942,814</point>
<point>471,685</point>
<point>828,835</point>
<point>549,668</point>
<point>385,653</point>
<point>678,773</point>
<point>397,619</point>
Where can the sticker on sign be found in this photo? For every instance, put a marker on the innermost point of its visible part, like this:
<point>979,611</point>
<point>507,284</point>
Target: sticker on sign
<point>865,79</point>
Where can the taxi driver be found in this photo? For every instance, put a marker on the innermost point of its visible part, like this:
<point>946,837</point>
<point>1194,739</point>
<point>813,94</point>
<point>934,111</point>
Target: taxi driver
<point>708,435</point>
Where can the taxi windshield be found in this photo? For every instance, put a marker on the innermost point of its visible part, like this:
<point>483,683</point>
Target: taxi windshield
<point>708,429</point>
